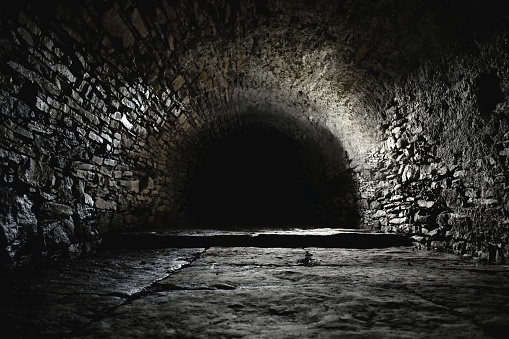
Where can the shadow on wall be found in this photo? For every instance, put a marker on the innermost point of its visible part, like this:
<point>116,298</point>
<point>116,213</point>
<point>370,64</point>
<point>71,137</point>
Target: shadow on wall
<point>267,171</point>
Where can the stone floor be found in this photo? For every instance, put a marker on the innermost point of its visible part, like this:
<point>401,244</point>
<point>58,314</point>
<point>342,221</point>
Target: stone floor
<point>255,292</point>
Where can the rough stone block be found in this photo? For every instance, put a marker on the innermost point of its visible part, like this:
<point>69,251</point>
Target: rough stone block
<point>88,199</point>
<point>114,25</point>
<point>65,72</point>
<point>82,174</point>
<point>83,211</point>
<point>133,185</point>
<point>56,235</point>
<point>410,173</point>
<point>54,208</point>
<point>98,160</point>
<point>397,221</point>
<point>95,137</point>
<point>127,124</point>
<point>138,23</point>
<point>425,204</point>
<point>178,82</point>
<point>36,173</point>
<point>100,203</point>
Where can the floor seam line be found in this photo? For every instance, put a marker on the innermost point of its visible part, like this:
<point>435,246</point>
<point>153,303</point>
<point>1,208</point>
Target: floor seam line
<point>450,310</point>
<point>135,296</point>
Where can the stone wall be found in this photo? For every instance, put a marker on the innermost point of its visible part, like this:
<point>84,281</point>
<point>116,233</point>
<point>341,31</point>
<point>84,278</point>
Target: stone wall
<point>444,156</point>
<point>107,109</point>
<point>80,153</point>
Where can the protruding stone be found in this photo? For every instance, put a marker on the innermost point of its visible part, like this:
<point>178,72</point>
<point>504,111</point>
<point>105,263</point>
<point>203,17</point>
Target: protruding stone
<point>460,174</point>
<point>410,173</point>
<point>420,218</point>
<point>98,160</point>
<point>418,238</point>
<point>95,137</point>
<point>397,221</point>
<point>425,204</point>
<point>127,124</point>
<point>88,199</point>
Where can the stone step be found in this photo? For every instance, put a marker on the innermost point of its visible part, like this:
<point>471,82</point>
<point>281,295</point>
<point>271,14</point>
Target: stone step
<point>325,238</point>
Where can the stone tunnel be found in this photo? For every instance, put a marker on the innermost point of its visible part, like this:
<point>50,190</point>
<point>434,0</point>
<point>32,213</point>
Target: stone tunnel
<point>386,117</point>
<point>379,115</point>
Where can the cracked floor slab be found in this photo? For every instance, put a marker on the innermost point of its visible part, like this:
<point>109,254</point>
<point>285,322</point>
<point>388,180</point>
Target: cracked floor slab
<point>250,292</point>
<point>54,298</point>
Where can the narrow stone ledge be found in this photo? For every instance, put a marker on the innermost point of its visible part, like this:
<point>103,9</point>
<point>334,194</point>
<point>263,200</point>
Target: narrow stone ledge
<point>266,239</point>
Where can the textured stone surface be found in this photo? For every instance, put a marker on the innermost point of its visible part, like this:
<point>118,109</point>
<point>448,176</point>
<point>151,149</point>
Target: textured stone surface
<point>382,105</point>
<point>56,298</point>
<point>258,292</point>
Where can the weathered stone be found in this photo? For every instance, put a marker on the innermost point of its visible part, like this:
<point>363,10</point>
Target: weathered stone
<point>421,218</point>
<point>402,143</point>
<point>26,35</point>
<point>410,173</point>
<point>133,185</point>
<point>54,208</point>
<point>126,122</point>
<point>150,184</point>
<point>443,219</point>
<point>36,173</point>
<point>95,137</point>
<point>57,237</point>
<point>84,211</point>
<point>98,160</point>
<point>82,174</point>
<point>64,71</point>
<point>396,197</point>
<point>379,214</point>
<point>114,24</point>
<point>105,204</point>
<point>26,217</point>
<point>504,152</point>
<point>138,23</point>
<point>418,238</point>
<point>437,245</point>
<point>110,162</point>
<point>436,233</point>
<point>398,221</point>
<point>425,204</point>
<point>178,82</point>
<point>460,174</point>
<point>65,189</point>
<point>488,201</point>
<point>8,222</point>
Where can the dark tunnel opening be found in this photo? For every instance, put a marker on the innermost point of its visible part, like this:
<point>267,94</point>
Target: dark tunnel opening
<point>259,175</point>
<point>251,178</point>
